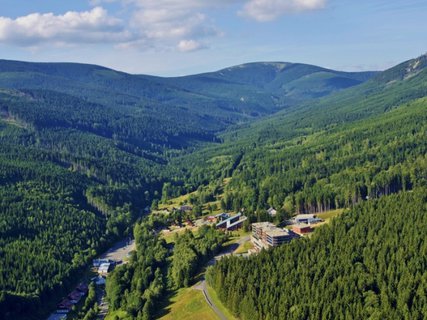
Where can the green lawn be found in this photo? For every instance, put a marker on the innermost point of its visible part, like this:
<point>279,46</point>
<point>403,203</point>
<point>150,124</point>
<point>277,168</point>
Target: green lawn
<point>120,314</point>
<point>170,236</point>
<point>244,247</point>
<point>176,202</point>
<point>188,304</point>
<point>328,215</point>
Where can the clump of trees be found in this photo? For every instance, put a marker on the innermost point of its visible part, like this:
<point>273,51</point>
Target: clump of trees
<point>192,252</point>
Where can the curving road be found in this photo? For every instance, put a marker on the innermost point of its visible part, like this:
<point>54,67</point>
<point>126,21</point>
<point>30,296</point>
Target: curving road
<point>202,284</point>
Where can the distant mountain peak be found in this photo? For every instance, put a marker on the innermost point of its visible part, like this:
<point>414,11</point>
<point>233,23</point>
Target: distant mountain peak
<point>277,65</point>
<point>417,64</point>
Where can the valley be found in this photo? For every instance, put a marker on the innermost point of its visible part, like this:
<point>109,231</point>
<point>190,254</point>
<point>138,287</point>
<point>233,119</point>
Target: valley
<point>89,156</point>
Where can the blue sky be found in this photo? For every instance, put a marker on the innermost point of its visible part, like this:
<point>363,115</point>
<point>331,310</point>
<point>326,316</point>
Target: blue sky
<point>176,37</point>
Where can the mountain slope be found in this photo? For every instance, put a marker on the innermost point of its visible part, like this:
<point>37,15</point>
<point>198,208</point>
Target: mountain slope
<point>229,96</point>
<point>380,94</point>
<point>86,144</point>
<point>331,153</point>
<point>279,83</point>
<point>362,149</point>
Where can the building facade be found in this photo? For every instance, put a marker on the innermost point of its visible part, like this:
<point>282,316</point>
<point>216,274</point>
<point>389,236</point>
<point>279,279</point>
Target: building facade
<point>266,235</point>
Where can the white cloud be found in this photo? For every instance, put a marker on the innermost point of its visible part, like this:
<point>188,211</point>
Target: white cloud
<point>92,26</point>
<point>143,24</point>
<point>170,23</point>
<point>189,45</point>
<point>268,10</point>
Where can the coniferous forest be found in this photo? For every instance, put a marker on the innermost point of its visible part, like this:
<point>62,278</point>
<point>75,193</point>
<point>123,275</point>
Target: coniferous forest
<point>368,264</point>
<point>85,150</point>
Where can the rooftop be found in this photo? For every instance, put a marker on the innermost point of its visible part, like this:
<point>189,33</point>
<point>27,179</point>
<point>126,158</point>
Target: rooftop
<point>270,229</point>
<point>305,216</point>
<point>277,232</point>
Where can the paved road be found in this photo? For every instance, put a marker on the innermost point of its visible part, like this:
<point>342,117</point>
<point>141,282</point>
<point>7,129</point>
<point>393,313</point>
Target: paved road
<point>102,303</point>
<point>202,284</point>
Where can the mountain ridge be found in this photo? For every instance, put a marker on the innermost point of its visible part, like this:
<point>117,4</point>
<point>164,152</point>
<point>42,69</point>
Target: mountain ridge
<point>96,154</point>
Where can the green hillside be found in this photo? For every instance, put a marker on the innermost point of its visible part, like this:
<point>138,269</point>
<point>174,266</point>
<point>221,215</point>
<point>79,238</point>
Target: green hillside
<point>279,84</point>
<point>380,94</point>
<point>213,100</point>
<point>85,149</point>
<point>355,149</point>
<point>331,153</point>
<point>362,149</point>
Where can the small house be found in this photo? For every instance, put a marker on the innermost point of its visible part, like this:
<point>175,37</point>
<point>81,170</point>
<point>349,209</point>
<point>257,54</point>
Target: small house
<point>211,219</point>
<point>97,262</point>
<point>302,228</point>
<point>185,208</point>
<point>272,212</point>
<point>75,296</point>
<point>307,219</point>
<point>104,268</point>
<point>64,306</point>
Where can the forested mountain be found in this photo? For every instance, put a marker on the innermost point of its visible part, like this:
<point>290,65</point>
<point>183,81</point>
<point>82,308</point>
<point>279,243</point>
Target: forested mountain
<point>84,149</point>
<point>212,101</point>
<point>330,153</point>
<point>282,84</point>
<point>354,149</point>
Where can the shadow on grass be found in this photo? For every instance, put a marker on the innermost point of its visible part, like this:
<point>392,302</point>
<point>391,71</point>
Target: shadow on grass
<point>164,306</point>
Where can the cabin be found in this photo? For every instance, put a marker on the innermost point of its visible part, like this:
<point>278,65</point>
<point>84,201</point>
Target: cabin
<point>272,212</point>
<point>211,219</point>
<point>185,208</point>
<point>302,229</point>
<point>306,219</point>
<point>104,268</point>
<point>97,262</point>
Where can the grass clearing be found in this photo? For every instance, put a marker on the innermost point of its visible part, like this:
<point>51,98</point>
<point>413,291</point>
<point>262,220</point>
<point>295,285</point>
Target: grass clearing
<point>188,304</point>
<point>244,247</point>
<point>169,236</point>
<point>123,315</point>
<point>328,216</point>
<point>178,201</point>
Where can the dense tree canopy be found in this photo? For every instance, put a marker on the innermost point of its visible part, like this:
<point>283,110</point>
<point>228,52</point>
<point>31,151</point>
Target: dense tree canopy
<point>85,150</point>
<point>369,263</point>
